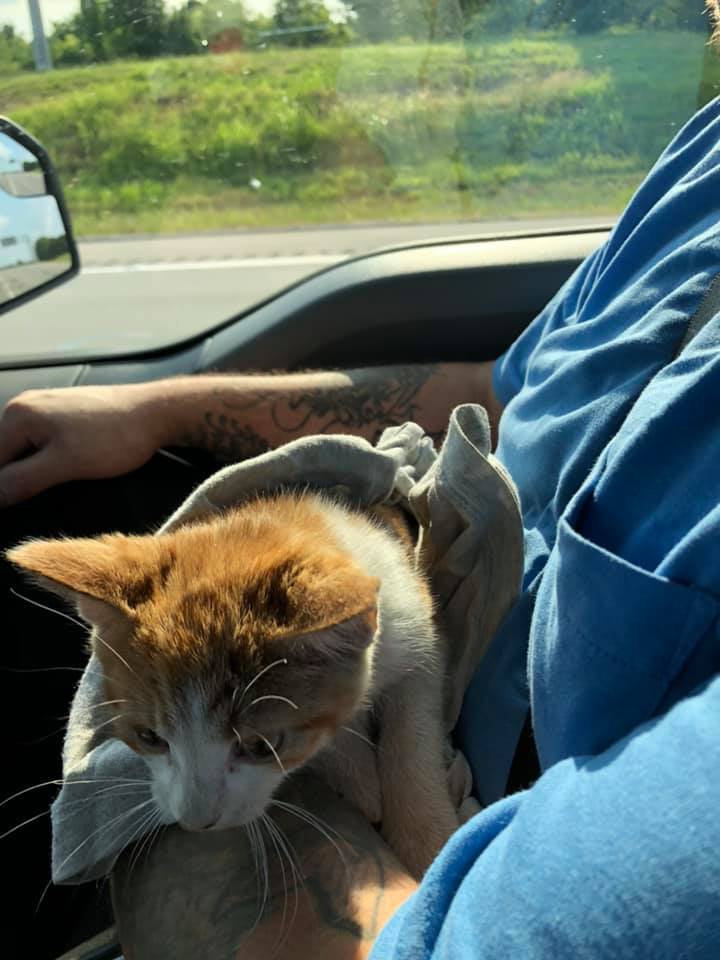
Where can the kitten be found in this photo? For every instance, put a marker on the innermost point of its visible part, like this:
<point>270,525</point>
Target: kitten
<point>278,634</point>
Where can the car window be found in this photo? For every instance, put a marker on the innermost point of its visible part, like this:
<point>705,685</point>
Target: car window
<point>213,152</point>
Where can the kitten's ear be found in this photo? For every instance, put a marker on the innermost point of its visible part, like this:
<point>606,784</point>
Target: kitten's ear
<point>347,639</point>
<point>346,618</point>
<point>337,604</point>
<point>96,575</point>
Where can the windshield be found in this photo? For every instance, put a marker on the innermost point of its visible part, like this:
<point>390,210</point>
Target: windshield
<point>213,152</point>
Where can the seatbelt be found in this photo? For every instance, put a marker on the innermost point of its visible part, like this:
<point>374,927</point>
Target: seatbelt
<point>525,766</point>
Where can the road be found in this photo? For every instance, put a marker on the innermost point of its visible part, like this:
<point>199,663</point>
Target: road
<point>144,292</point>
<point>15,281</point>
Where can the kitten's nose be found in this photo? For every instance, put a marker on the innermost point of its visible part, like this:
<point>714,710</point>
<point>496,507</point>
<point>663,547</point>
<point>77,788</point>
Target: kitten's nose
<point>198,826</point>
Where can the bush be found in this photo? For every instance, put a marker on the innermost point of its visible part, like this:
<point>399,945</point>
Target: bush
<point>49,248</point>
<point>373,131</point>
<point>503,16</point>
<point>15,53</point>
<point>69,51</point>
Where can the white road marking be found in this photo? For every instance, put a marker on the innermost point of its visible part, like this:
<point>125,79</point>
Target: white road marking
<point>246,263</point>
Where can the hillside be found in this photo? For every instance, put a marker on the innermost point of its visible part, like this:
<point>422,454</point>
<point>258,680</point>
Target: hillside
<point>544,124</point>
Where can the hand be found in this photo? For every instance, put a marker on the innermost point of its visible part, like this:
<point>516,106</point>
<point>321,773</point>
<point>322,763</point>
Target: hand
<point>209,895</point>
<point>51,436</point>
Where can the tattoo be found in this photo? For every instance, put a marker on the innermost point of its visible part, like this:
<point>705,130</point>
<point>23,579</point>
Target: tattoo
<point>369,400</point>
<point>208,895</point>
<point>374,399</point>
<point>228,438</point>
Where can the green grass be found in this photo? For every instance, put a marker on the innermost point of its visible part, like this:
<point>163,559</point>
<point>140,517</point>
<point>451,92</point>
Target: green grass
<point>515,127</point>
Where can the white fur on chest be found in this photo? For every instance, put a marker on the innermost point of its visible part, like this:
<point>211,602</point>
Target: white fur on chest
<point>405,771</point>
<point>405,641</point>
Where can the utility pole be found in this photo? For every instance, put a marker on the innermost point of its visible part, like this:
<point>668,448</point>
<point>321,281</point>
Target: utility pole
<point>41,50</point>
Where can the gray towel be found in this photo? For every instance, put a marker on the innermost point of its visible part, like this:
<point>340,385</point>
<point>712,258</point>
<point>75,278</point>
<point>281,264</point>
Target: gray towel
<point>470,540</point>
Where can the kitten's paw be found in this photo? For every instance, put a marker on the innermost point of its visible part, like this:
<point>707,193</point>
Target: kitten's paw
<point>417,841</point>
<point>368,799</point>
<point>354,777</point>
<point>360,786</point>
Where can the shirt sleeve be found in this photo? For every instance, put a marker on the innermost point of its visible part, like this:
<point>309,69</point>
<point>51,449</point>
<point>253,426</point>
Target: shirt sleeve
<point>613,856</point>
<point>511,367</point>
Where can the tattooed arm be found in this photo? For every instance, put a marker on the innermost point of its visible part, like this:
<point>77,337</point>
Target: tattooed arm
<point>50,436</point>
<point>322,891</point>
<point>238,416</point>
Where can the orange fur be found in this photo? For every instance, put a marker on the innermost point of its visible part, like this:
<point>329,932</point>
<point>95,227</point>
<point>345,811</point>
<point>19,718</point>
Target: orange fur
<point>263,624</point>
<point>217,600</point>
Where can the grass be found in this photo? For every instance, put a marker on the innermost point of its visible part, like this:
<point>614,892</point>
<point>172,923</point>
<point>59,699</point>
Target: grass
<point>519,126</point>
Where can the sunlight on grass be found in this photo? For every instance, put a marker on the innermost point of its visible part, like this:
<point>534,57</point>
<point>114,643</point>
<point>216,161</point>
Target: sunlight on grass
<point>541,125</point>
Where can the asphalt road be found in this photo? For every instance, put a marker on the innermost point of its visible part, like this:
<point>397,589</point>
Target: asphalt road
<point>15,281</point>
<point>138,293</point>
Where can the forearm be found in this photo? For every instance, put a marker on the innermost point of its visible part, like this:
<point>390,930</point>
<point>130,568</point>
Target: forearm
<point>237,416</point>
<point>323,891</point>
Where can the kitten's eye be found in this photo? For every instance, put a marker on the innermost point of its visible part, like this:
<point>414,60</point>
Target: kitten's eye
<point>258,748</point>
<point>150,739</point>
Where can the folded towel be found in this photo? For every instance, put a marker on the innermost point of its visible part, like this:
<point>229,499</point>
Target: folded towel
<point>470,542</point>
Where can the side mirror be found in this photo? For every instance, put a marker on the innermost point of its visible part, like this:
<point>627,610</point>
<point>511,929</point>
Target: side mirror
<point>37,248</point>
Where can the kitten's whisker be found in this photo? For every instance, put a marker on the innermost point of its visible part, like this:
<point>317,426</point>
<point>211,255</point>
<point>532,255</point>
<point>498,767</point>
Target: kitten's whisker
<point>46,736</point>
<point>247,827</point>
<point>39,669</point>
<point>118,789</point>
<point>43,895</point>
<point>291,854</point>
<point>118,655</point>
<point>258,851</point>
<point>44,606</point>
<point>104,826</point>
<point>37,816</point>
<point>272,696</point>
<point>267,823</point>
<point>275,663</point>
<point>65,783</point>
<point>270,747</point>
<point>311,820</point>
<point>360,736</point>
<point>266,870</point>
<point>96,706</point>
<point>79,623</point>
<point>154,837</point>
<point>25,823</point>
<point>49,883</point>
<point>147,825</point>
<point>159,830</point>
<point>106,723</point>
<point>47,887</point>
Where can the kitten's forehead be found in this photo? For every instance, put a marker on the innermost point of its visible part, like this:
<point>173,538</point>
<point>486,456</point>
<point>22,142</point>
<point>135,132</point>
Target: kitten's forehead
<point>229,686</point>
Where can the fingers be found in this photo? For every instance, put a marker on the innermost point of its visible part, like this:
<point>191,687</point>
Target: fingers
<point>25,478</point>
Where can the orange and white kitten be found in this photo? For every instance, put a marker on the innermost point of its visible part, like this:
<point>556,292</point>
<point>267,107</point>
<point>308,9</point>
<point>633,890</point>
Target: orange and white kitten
<point>281,633</point>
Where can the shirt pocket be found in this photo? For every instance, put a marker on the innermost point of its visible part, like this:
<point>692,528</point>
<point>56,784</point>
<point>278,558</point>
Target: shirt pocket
<point>606,641</point>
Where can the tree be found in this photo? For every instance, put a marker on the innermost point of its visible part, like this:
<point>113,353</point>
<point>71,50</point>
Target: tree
<point>92,26</point>
<point>307,22</point>
<point>137,27</point>
<point>15,53</point>
<point>217,17</point>
<point>50,248</point>
<point>588,16</point>
<point>423,20</point>
<point>183,32</point>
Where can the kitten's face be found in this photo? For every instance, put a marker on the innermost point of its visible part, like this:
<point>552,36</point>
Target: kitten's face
<point>234,650</point>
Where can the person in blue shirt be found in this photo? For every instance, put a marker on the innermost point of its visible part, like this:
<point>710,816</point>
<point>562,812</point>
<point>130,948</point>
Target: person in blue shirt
<point>607,408</point>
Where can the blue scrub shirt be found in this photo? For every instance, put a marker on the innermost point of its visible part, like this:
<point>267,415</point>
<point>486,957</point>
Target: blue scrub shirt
<point>614,444</point>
